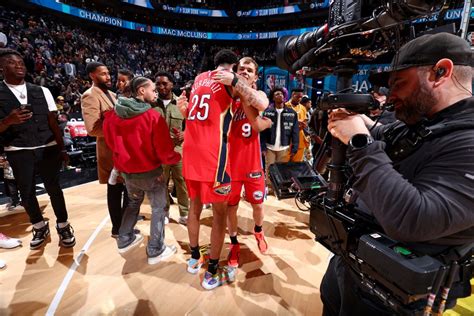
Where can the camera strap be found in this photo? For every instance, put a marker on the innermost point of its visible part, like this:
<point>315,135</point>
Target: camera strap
<point>402,141</point>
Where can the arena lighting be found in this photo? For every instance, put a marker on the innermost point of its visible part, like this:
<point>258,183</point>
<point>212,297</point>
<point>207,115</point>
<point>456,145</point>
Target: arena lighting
<point>295,52</point>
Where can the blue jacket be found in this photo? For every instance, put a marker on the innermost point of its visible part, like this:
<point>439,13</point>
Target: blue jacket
<point>289,129</point>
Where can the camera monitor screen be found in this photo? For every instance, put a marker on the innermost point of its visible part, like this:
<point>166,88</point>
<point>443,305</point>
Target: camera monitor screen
<point>309,183</point>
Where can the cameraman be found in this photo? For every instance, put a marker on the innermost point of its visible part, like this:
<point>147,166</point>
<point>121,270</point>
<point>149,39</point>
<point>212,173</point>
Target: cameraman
<point>415,178</point>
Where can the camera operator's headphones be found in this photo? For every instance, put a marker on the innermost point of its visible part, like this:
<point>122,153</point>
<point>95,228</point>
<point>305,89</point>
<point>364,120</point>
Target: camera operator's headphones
<point>439,72</point>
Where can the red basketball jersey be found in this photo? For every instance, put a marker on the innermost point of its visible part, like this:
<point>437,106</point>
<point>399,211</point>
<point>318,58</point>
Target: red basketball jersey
<point>244,154</point>
<point>205,148</point>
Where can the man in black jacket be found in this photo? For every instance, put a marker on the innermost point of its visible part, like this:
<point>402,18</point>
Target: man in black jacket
<point>416,177</point>
<point>33,144</point>
<point>284,132</point>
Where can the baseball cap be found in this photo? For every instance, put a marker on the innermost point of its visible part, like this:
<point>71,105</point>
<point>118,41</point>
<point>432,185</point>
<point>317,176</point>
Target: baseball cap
<point>426,50</point>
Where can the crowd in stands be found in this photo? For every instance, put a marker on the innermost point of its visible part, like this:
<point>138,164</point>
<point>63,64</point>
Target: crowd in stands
<point>56,53</point>
<point>233,10</point>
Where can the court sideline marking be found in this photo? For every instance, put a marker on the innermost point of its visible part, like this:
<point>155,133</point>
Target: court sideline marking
<point>67,279</point>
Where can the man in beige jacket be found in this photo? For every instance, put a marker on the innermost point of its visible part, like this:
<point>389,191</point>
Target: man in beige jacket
<point>95,102</point>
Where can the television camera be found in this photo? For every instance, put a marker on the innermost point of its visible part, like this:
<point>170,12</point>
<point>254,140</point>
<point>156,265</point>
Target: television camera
<point>405,280</point>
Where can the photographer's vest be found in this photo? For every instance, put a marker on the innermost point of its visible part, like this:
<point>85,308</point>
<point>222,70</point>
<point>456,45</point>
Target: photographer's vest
<point>35,131</point>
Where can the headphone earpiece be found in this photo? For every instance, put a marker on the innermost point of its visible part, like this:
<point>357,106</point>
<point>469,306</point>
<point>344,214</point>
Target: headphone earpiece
<point>440,72</point>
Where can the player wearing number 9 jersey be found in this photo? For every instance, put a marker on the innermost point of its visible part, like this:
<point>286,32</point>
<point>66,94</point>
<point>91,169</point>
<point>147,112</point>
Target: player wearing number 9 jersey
<point>246,164</point>
<point>244,153</point>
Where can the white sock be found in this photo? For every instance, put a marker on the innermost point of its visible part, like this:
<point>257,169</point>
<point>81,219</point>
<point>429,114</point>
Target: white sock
<point>39,225</point>
<point>62,225</point>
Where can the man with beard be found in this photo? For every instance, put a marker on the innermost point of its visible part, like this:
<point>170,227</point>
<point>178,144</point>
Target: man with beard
<point>167,104</point>
<point>414,176</point>
<point>34,145</point>
<point>95,101</point>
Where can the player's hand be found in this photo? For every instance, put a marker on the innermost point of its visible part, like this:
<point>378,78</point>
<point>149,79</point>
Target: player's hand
<point>182,103</point>
<point>345,128</point>
<point>17,116</point>
<point>224,77</point>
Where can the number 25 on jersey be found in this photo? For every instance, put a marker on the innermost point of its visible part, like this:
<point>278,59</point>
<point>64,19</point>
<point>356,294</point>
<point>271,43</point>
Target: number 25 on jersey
<point>202,111</point>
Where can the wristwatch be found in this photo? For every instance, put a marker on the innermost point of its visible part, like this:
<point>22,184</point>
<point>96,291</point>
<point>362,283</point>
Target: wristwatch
<point>360,141</point>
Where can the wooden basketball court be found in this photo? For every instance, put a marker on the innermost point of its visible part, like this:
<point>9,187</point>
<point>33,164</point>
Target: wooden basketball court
<point>92,278</point>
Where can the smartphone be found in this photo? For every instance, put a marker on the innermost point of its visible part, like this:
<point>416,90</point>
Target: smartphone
<point>28,107</point>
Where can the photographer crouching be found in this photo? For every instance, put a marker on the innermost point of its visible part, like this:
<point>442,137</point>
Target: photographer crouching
<point>414,176</point>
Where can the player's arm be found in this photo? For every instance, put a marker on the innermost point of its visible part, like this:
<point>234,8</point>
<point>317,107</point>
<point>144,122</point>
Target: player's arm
<point>257,122</point>
<point>242,89</point>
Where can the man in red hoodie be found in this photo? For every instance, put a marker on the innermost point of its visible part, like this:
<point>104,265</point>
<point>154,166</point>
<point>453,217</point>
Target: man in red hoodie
<point>140,142</point>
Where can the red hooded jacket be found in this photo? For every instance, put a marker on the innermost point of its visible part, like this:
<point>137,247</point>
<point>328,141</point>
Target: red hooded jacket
<point>139,144</point>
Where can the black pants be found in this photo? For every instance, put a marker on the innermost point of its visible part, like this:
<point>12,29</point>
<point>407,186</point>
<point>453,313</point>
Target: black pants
<point>46,162</point>
<point>117,201</point>
<point>11,190</point>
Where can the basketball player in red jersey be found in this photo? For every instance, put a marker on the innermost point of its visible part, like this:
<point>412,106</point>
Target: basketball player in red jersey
<point>205,161</point>
<point>246,164</point>
<point>205,164</point>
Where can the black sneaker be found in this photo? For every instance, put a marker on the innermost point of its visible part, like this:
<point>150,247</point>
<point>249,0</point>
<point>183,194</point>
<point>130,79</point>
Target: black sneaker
<point>66,236</point>
<point>39,236</point>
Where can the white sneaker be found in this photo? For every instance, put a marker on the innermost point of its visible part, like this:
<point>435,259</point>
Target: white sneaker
<point>9,243</point>
<point>167,220</point>
<point>3,264</point>
<point>183,220</point>
<point>168,252</point>
<point>138,239</point>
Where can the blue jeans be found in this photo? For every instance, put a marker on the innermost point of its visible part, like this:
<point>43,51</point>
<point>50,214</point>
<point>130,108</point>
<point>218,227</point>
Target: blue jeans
<point>156,193</point>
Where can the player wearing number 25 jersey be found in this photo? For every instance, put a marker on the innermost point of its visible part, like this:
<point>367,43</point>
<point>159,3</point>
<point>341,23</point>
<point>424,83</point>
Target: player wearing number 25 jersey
<point>205,148</point>
<point>206,165</point>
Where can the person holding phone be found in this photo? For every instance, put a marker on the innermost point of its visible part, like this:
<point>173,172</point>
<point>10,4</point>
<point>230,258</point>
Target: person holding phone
<point>33,145</point>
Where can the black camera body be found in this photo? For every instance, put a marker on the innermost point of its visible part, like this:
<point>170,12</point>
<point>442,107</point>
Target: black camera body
<point>396,274</point>
<point>357,31</point>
